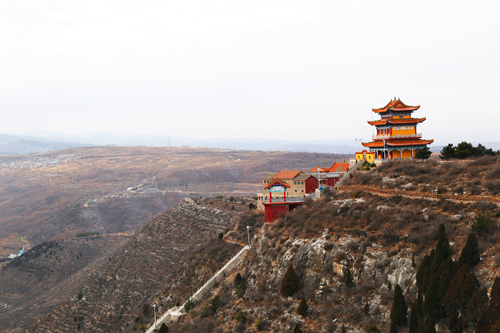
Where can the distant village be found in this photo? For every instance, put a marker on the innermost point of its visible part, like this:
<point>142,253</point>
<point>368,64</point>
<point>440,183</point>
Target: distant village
<point>39,162</point>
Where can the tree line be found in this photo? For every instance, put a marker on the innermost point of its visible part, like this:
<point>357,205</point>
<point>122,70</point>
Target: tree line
<point>465,150</point>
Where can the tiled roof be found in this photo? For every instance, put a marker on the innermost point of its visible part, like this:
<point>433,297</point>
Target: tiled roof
<point>339,167</point>
<point>277,181</point>
<point>287,174</point>
<point>396,105</point>
<point>303,177</point>
<point>269,176</point>
<point>396,143</point>
<point>320,169</point>
<point>396,121</point>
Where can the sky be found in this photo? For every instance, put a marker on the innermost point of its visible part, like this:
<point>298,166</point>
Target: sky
<point>291,70</point>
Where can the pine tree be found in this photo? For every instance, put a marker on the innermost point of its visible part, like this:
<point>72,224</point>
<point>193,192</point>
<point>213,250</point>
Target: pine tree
<point>413,319</point>
<point>492,313</point>
<point>448,152</point>
<point>470,254</point>
<point>163,328</point>
<point>348,279</point>
<point>452,297</point>
<point>426,262</point>
<point>366,309</point>
<point>477,304</point>
<point>303,307</point>
<point>469,287</point>
<point>423,153</point>
<point>289,283</point>
<point>432,304</point>
<point>237,280</point>
<point>394,328</point>
<point>420,307</point>
<point>297,329</point>
<point>399,311</point>
<point>446,274</point>
<point>373,329</point>
<point>442,249</point>
<point>429,327</point>
<point>454,324</point>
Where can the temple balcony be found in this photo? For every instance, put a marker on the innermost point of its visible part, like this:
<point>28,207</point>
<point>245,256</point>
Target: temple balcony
<point>288,200</point>
<point>383,136</point>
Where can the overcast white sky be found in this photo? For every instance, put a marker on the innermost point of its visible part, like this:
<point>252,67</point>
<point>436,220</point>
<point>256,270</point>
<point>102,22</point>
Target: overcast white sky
<point>298,70</point>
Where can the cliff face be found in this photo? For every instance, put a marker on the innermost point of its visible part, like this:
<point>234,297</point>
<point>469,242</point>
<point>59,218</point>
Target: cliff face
<point>349,254</point>
<point>114,295</point>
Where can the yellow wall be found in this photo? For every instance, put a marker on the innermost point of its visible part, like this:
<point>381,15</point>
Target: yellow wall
<point>359,156</point>
<point>407,153</point>
<point>404,131</point>
<point>396,154</point>
<point>370,157</point>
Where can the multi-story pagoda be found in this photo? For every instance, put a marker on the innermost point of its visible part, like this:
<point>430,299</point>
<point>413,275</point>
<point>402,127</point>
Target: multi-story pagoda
<point>397,135</point>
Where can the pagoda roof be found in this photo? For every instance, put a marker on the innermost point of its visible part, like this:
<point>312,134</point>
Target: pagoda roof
<point>287,174</point>
<point>396,143</point>
<point>396,121</point>
<point>278,182</point>
<point>320,169</point>
<point>396,105</point>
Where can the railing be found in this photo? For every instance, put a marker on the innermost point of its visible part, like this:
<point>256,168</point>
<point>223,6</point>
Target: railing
<point>288,199</point>
<point>383,136</point>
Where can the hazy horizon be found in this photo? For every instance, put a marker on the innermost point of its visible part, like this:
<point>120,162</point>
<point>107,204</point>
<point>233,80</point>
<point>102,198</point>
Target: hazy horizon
<point>279,70</point>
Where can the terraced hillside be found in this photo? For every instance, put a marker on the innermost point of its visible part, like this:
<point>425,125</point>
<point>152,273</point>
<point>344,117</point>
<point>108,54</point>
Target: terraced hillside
<point>115,294</point>
<point>48,274</point>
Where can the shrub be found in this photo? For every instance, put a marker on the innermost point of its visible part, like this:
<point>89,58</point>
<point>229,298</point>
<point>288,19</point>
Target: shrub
<point>348,279</point>
<point>483,221</point>
<point>373,329</point>
<point>145,310</point>
<point>259,324</point>
<point>297,329</point>
<point>241,316</point>
<point>289,283</point>
<point>303,307</point>
<point>188,306</point>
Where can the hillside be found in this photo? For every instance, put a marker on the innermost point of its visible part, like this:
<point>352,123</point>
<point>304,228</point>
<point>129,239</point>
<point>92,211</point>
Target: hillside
<point>113,295</point>
<point>349,251</point>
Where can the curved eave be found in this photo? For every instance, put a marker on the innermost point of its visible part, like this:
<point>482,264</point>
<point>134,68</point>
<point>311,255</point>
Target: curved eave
<point>399,121</point>
<point>398,143</point>
<point>408,108</point>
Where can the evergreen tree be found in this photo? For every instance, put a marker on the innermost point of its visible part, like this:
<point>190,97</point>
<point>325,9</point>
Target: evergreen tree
<point>442,249</point>
<point>424,153</point>
<point>289,283</point>
<point>470,254</point>
<point>492,313</point>
<point>373,329</point>
<point>476,306</point>
<point>426,262</point>
<point>237,280</point>
<point>464,149</point>
<point>452,297</point>
<point>394,328</point>
<point>399,311</point>
<point>420,307</point>
<point>454,324</point>
<point>446,274</point>
<point>413,319</point>
<point>448,152</point>
<point>163,328</point>
<point>366,309</point>
<point>432,304</point>
<point>303,307</point>
<point>297,329</point>
<point>469,287</point>
<point>429,327</point>
<point>348,279</point>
